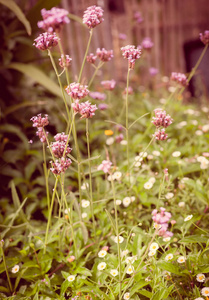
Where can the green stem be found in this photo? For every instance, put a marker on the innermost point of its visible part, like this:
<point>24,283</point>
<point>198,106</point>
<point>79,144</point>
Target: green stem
<point>50,213</point>
<point>95,72</point>
<point>84,59</point>
<point>127,137</point>
<point>90,177</point>
<point>46,176</point>
<point>5,266</point>
<point>117,234</point>
<point>60,84</point>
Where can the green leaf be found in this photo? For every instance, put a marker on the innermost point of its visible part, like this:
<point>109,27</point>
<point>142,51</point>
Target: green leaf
<point>169,267</point>
<point>18,12</point>
<point>38,76</point>
<point>84,232</point>
<point>4,290</point>
<point>140,284</point>
<point>194,239</point>
<point>111,220</point>
<point>65,286</point>
<point>83,271</point>
<point>16,201</point>
<point>16,131</point>
<point>163,293</point>
<point>145,293</point>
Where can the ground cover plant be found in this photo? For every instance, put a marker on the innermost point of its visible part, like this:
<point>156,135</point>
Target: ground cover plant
<point>110,198</point>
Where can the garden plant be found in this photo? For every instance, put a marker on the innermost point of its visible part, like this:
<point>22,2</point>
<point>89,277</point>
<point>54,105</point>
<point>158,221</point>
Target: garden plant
<point>108,182</point>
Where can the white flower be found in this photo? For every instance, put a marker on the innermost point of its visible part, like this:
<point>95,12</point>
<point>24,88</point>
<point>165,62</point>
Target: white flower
<point>67,210</point>
<point>84,215</point>
<point>184,179</point>
<point>130,270</point>
<point>151,252</point>
<point>188,218</point>
<point>154,246</point>
<point>110,141</point>
<point>15,269</point>
<point>181,259</point>
<point>162,101</point>
<point>199,132</point>
<point>150,156</point>
<point>85,186</point>
<point>101,266</point>
<point>176,154</point>
<point>85,203</point>
<point>137,164</point>
<point>130,259</point>
<point>205,291</point>
<point>201,159</point>
<point>181,124</point>
<point>118,202</point>
<point>205,109</point>
<point>200,277</point>
<point>114,272</point>
<point>190,111</point>
<point>166,239</point>
<point>133,199</point>
<point>118,239</point>
<point>205,128</point>
<point>110,177</point>
<point>152,180</point>
<point>124,253</point>
<point>138,158</point>
<point>117,175</point>
<point>181,204</point>
<point>156,153</point>
<point>102,253</point>
<point>123,142</point>
<point>126,296</point>
<point>171,89</point>
<point>156,226</point>
<point>204,164</point>
<point>199,298</point>
<point>126,201</point>
<point>169,257</point>
<point>169,195</point>
<point>148,185</point>
<point>71,278</point>
<point>194,122</point>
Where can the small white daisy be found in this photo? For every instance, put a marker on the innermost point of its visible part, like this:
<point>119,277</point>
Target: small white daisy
<point>156,153</point>
<point>118,239</point>
<point>131,259</point>
<point>118,202</point>
<point>199,298</point>
<point>85,203</point>
<point>110,177</point>
<point>188,218</point>
<point>85,186</point>
<point>205,291</point>
<point>148,185</point>
<point>133,199</point>
<point>117,175</point>
<point>71,278</point>
<point>130,270</point>
<point>124,253</point>
<point>126,201</point>
<point>181,204</point>
<point>198,132</point>
<point>152,180</point>
<point>200,277</point>
<point>126,296</point>
<point>181,259</point>
<point>84,215</point>
<point>123,142</point>
<point>102,253</point>
<point>137,164</point>
<point>150,156</point>
<point>166,239</point>
<point>156,226</point>
<point>169,257</point>
<point>101,266</point>
<point>114,272</point>
<point>176,154</point>
<point>169,195</point>
<point>151,253</point>
<point>15,269</point>
<point>205,128</point>
<point>154,246</point>
<point>67,210</point>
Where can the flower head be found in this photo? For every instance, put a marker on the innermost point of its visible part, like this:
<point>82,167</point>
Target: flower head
<point>114,272</point>
<point>64,61</point>
<point>39,121</point>
<point>161,119</point>
<point>71,278</point>
<point>200,277</point>
<point>108,84</point>
<point>102,253</point>
<point>104,55</point>
<point>105,166</point>
<point>53,19</point>
<point>93,16</point>
<point>204,37</point>
<point>118,239</point>
<point>126,296</point>
<point>130,269</point>
<point>147,43</point>
<point>169,257</point>
<point>101,266</point>
<point>126,201</point>
<point>205,291</point>
<point>85,203</point>
<point>188,218</point>
<point>59,149</point>
<point>154,246</point>
<point>151,253</point>
<point>77,90</point>
<point>179,78</point>
<point>181,259</point>
<point>148,185</point>
<point>91,58</point>
<point>60,166</point>
<point>160,135</point>
<point>87,110</point>
<point>45,41</point>
<point>97,96</point>
<point>15,269</point>
<point>131,53</point>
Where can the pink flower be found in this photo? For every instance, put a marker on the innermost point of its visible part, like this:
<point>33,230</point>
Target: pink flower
<point>64,61</point>
<point>204,37</point>
<point>119,138</point>
<point>130,91</point>
<point>162,218</point>
<point>109,84</point>
<point>97,96</point>
<point>77,91</point>
<point>179,78</point>
<point>103,106</point>
<point>138,17</point>
<point>160,135</point>
<point>39,121</point>
<point>60,166</point>
<point>93,16</point>
<point>153,71</point>
<point>91,58</point>
<point>45,41</point>
<point>61,137</point>
<point>76,106</point>
<point>122,36</point>
<point>161,119</point>
<point>53,19</point>
<point>104,55</point>
<point>41,134</point>
<point>58,149</point>
<point>131,53</point>
<point>105,166</point>
<point>87,110</point>
<point>147,43</point>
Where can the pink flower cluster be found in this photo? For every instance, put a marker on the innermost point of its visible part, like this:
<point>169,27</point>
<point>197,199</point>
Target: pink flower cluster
<point>130,91</point>
<point>179,78</point>
<point>64,61</point>
<point>204,37</point>
<point>40,122</point>
<point>97,96</point>
<point>147,43</point>
<point>58,149</point>
<point>108,84</point>
<point>105,166</point>
<point>85,109</point>
<point>162,218</point>
<point>161,120</point>
<point>45,41</point>
<point>91,58</point>
<point>104,55</point>
<point>131,53</point>
<point>138,17</point>
<point>93,16</point>
<point>60,166</point>
<point>77,90</point>
<point>53,19</point>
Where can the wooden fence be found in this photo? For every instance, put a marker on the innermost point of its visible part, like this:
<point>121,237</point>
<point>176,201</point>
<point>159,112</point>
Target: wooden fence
<point>169,24</point>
